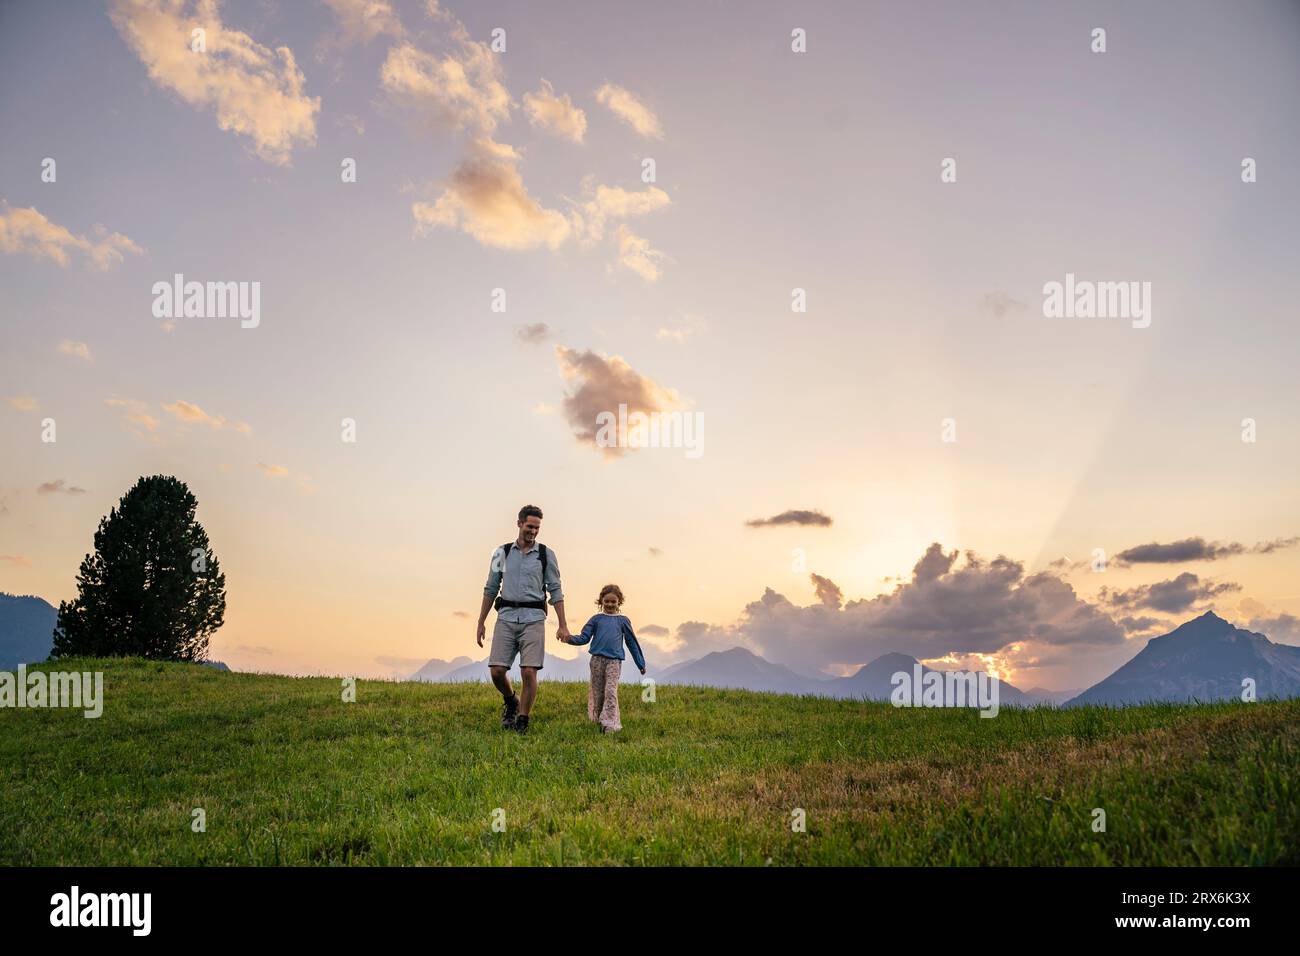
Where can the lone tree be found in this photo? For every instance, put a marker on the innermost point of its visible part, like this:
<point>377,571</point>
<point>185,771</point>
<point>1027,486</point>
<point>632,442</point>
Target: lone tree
<point>152,588</point>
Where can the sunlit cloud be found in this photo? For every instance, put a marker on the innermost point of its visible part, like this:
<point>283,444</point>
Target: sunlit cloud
<point>255,91</point>
<point>136,415</point>
<point>76,349</point>
<point>59,487</point>
<point>555,114</point>
<point>486,198</point>
<point>627,107</point>
<point>603,383</point>
<point>29,232</point>
<point>636,254</point>
<point>615,202</point>
<point>361,21</point>
<point>277,472</point>
<point>950,608</point>
<point>459,90</point>
<point>192,414</point>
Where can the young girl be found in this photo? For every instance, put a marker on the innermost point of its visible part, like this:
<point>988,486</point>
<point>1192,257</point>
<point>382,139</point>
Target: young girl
<point>607,631</point>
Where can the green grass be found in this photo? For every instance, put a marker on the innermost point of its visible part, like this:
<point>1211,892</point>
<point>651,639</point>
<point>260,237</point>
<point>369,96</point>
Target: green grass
<point>411,774</point>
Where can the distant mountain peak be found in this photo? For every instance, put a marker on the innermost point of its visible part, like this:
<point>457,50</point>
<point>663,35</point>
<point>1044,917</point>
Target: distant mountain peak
<point>1204,659</point>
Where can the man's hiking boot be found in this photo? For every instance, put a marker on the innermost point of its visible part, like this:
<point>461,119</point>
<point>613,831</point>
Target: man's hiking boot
<point>521,724</point>
<point>509,711</point>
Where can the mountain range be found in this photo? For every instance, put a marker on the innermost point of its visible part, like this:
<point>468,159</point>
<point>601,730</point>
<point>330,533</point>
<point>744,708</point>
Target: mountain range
<point>1202,660</point>
<point>735,668</point>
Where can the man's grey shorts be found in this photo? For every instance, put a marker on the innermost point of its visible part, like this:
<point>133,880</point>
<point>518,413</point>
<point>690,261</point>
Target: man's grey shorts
<point>526,640</point>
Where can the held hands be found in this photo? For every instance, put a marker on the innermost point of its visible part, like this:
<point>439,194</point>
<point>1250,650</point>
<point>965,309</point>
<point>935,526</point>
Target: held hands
<point>482,630</point>
<point>562,634</point>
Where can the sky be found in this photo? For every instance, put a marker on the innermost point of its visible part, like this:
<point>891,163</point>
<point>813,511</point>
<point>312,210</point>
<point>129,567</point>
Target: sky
<point>561,208</point>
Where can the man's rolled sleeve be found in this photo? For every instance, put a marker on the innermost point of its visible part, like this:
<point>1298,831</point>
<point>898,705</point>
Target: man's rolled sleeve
<point>552,582</point>
<point>496,572</point>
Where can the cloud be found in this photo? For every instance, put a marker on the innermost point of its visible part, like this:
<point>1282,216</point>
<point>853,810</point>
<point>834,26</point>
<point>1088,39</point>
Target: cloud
<point>255,91</point>
<point>808,519</point>
<point>364,20</point>
<point>351,121</point>
<point>615,202</point>
<point>27,231</point>
<point>1197,549</point>
<point>604,383</point>
<point>678,334</point>
<point>555,114</point>
<point>136,417</point>
<point>999,303</point>
<point>17,560</point>
<point>933,564</point>
<point>58,487</point>
<point>828,592</point>
<point>23,403</point>
<point>1134,625</point>
<point>1280,628</point>
<point>653,630</point>
<point>1277,544</point>
<point>1171,597</point>
<point>533,334</point>
<point>636,254</point>
<point>462,89</point>
<point>654,552</point>
<point>485,197</point>
<point>625,105</point>
<point>280,471</point>
<point>76,349</point>
<point>254,649</point>
<point>948,607</point>
<point>464,614</point>
<point>191,414</point>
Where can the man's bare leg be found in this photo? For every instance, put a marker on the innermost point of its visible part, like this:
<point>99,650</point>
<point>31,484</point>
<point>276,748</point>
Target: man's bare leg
<point>501,678</point>
<point>527,693</point>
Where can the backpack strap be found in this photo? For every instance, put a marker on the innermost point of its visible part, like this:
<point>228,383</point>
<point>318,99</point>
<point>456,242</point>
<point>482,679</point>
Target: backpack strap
<point>544,555</point>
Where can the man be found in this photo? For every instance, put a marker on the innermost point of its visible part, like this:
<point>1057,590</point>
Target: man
<point>521,571</point>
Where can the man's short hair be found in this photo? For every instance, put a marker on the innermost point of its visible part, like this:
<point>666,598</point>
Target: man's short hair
<point>530,511</point>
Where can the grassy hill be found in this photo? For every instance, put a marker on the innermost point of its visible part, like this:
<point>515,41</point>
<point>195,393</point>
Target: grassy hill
<point>411,774</point>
